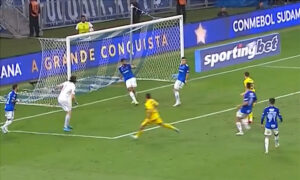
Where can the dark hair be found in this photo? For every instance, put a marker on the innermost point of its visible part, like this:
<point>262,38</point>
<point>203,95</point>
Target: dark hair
<point>73,79</point>
<point>14,86</point>
<point>82,16</point>
<point>183,58</point>
<point>247,74</point>
<point>148,95</point>
<point>249,85</point>
<point>272,100</point>
<point>122,60</point>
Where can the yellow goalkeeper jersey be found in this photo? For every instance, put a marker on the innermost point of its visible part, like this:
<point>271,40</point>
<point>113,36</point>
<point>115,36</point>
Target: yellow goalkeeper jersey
<point>151,107</point>
<point>249,80</point>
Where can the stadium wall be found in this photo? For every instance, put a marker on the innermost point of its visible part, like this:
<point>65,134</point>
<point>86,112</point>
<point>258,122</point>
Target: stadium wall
<point>26,67</point>
<point>61,13</point>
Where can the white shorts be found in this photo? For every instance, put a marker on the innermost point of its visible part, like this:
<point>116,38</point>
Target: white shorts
<point>241,115</point>
<point>65,104</point>
<point>268,132</point>
<point>178,85</point>
<point>9,115</point>
<point>131,83</point>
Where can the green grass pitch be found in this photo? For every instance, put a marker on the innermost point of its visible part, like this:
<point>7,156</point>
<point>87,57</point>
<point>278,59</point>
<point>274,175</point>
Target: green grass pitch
<point>99,146</point>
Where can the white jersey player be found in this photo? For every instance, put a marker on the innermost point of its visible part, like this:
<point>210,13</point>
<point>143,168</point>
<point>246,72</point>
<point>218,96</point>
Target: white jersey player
<point>65,98</point>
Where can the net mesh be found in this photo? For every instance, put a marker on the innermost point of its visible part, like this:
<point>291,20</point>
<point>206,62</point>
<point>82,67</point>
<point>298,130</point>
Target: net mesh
<point>153,48</point>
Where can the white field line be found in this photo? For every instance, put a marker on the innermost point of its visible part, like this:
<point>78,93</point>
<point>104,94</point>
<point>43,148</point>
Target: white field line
<point>60,134</point>
<point>160,87</point>
<point>148,129</point>
<point>282,67</point>
<point>205,115</point>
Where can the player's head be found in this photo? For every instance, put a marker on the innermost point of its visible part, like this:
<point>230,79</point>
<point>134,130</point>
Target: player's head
<point>248,85</point>
<point>123,61</point>
<point>73,79</point>
<point>148,96</point>
<point>15,87</point>
<point>83,19</point>
<point>246,74</point>
<point>183,60</point>
<point>272,101</point>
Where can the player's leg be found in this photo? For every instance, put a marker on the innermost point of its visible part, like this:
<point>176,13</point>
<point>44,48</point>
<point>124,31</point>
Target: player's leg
<point>250,118</point>
<point>131,85</point>
<point>141,129</point>
<point>276,137</point>
<point>267,133</point>
<point>177,86</point>
<point>132,95</point>
<point>9,119</point>
<point>160,122</point>
<point>245,123</point>
<point>67,107</point>
<point>239,117</point>
<point>67,126</point>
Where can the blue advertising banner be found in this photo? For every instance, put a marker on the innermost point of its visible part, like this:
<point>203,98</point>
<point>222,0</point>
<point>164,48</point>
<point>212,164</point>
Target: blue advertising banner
<point>237,52</point>
<point>88,54</point>
<point>19,69</point>
<point>255,22</point>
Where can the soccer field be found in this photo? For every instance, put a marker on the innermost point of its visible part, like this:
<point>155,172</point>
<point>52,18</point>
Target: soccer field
<point>100,146</point>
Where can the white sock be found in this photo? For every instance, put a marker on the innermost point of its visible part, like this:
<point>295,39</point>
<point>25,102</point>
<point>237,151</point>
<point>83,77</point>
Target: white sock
<point>132,96</point>
<point>176,93</point>
<point>67,120</point>
<point>277,139</point>
<point>239,126</point>
<point>245,123</point>
<point>267,144</point>
<point>7,123</point>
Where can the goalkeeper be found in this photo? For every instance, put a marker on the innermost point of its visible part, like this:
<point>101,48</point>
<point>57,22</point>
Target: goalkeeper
<point>152,117</point>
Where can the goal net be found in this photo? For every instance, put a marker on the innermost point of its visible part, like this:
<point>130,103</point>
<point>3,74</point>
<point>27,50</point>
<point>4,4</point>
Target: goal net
<point>154,48</point>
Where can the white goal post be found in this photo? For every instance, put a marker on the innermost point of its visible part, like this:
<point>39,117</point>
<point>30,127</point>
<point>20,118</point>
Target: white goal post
<point>155,47</point>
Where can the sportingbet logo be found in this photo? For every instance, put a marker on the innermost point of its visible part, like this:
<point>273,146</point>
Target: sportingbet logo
<point>250,50</point>
<point>237,52</point>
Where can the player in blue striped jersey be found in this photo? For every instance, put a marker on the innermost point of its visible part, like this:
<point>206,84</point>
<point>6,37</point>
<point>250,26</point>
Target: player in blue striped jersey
<point>129,78</point>
<point>183,74</point>
<point>271,113</point>
<point>245,109</point>
<point>10,108</point>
